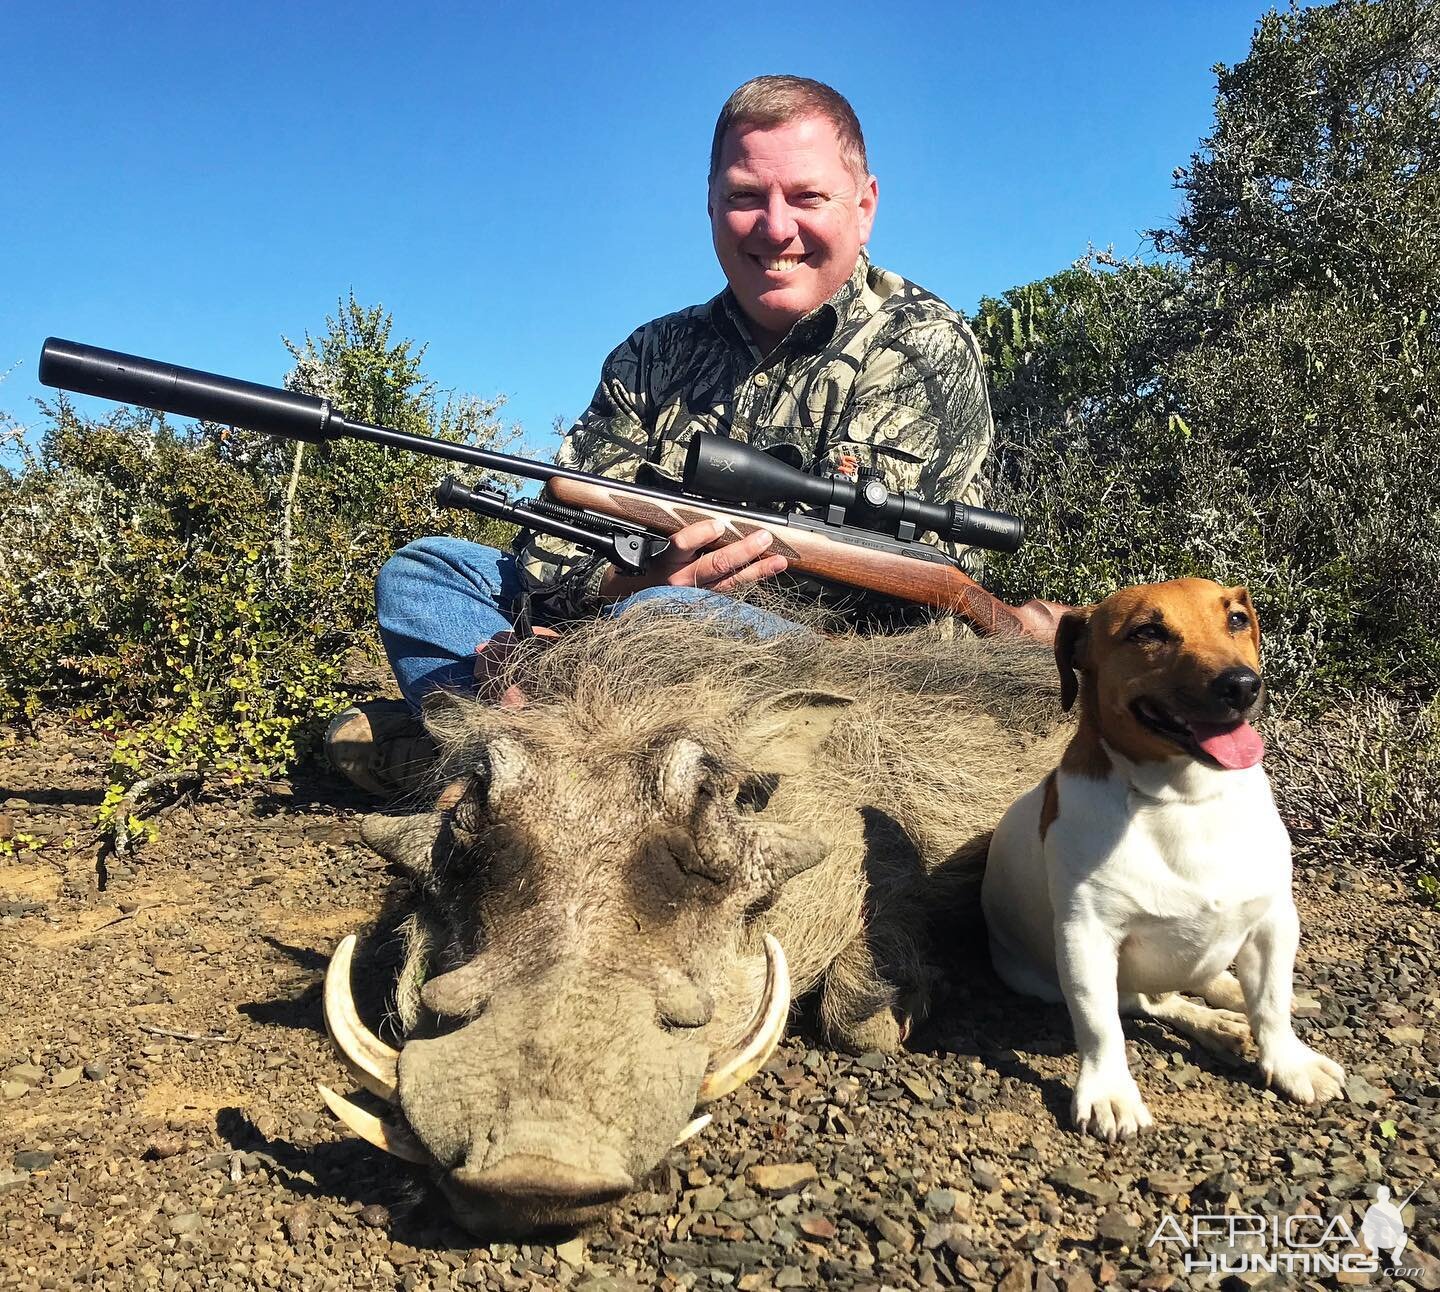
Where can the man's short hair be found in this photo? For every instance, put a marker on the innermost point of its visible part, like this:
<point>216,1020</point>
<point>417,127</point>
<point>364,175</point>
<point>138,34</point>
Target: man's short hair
<point>768,101</point>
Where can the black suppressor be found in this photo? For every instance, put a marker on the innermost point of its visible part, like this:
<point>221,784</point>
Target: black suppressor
<point>187,392</point>
<point>730,471</point>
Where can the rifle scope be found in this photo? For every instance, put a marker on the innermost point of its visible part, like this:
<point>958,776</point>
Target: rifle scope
<point>716,467</point>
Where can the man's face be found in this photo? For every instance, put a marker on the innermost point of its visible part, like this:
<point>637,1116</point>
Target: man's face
<point>788,217</point>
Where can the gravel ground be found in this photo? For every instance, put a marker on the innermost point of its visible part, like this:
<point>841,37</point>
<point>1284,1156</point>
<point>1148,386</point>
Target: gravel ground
<point>160,1038</point>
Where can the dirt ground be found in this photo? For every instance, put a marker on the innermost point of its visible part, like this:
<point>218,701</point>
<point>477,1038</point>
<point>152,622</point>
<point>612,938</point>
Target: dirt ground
<point>161,1037</point>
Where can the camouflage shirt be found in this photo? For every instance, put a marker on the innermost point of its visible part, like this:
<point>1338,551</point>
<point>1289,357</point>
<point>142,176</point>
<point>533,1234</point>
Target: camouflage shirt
<point>883,372</point>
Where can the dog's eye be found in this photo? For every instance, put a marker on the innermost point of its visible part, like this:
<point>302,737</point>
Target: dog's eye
<point>1149,633</point>
<point>1238,620</point>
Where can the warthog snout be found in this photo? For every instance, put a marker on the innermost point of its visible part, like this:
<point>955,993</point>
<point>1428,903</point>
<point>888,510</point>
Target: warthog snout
<point>551,1103</point>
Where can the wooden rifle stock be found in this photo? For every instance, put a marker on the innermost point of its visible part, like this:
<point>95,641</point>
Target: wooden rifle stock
<point>807,551</point>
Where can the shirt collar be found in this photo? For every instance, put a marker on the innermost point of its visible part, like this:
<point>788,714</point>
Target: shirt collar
<point>812,331</point>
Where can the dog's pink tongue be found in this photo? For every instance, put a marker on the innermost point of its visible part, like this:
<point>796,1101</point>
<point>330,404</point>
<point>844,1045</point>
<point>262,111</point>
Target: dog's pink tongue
<point>1233,747</point>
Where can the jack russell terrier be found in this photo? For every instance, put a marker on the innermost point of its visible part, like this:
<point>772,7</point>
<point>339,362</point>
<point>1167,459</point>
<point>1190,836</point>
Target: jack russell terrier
<point>1153,856</point>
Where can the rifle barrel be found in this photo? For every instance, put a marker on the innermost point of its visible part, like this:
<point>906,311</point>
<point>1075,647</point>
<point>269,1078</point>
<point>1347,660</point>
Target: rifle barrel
<point>188,392</point>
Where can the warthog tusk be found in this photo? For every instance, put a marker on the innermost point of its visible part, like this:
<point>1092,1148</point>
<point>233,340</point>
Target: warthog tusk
<point>370,1061</point>
<point>693,1129</point>
<point>734,1068</point>
<point>393,1139</point>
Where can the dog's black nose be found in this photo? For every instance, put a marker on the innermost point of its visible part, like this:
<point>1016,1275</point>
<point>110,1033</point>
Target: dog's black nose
<point>1237,688</point>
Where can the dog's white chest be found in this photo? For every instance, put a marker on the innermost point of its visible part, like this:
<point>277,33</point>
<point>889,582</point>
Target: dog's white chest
<point>1179,878</point>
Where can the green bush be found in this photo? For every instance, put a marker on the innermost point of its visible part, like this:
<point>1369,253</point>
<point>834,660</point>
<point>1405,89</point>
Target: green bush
<point>1292,452</point>
<point>1260,406</point>
<point>194,592</point>
<point>1362,780</point>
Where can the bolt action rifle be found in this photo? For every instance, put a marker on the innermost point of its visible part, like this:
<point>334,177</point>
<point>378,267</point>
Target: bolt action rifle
<point>841,530</point>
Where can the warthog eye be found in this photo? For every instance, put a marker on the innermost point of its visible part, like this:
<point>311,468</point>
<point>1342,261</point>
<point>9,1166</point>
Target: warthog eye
<point>755,791</point>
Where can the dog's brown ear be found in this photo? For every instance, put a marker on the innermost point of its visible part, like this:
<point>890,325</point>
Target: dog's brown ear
<point>1070,651</point>
<point>1241,596</point>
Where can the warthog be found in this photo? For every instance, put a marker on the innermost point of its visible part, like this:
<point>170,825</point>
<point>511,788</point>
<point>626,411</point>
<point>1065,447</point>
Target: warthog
<point>628,877</point>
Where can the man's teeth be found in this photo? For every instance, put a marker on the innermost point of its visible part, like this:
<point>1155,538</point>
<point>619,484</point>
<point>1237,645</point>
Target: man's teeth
<point>780,265</point>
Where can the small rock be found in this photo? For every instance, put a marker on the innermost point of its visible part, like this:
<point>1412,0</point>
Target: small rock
<point>936,1234</point>
<point>26,1072</point>
<point>1114,1230</point>
<point>185,1223</point>
<point>572,1253</point>
<point>299,1223</point>
<point>940,1202</point>
<point>917,1087</point>
<point>1017,1278</point>
<point>708,1198</point>
<point>32,1160</point>
<point>1072,1179</point>
<point>12,1180</point>
<point>7,825</point>
<point>895,1233</point>
<point>375,1215</point>
<point>95,1071</point>
<point>1365,1093</point>
<point>13,1089</point>
<point>985,1178</point>
<point>1405,1035</point>
<point>67,1077</point>
<point>817,1227</point>
<point>782,1177</point>
<point>1168,1184</point>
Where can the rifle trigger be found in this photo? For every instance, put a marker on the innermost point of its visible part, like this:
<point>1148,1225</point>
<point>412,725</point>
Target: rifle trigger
<point>634,552</point>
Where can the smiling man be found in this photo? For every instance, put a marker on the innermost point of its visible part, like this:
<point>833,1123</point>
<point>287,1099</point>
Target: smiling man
<point>811,350</point>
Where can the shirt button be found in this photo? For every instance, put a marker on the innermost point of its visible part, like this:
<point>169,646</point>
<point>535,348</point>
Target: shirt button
<point>761,379</point>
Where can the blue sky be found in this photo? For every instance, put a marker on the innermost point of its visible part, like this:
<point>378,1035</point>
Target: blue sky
<point>523,184</point>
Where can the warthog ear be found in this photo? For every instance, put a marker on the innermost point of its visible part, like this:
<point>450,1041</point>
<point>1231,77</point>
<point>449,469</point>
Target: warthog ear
<point>404,841</point>
<point>1070,652</point>
<point>786,732</point>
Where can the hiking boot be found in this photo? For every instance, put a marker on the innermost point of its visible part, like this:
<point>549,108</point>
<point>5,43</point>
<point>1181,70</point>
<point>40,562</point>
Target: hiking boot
<point>381,746</point>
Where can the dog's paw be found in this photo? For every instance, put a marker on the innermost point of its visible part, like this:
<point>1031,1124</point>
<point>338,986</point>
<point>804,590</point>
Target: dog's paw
<point>1223,1031</point>
<point>1303,1074</point>
<point>1109,1106</point>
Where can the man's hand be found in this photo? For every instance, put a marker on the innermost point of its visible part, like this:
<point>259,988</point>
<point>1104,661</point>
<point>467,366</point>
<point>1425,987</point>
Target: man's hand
<point>686,564</point>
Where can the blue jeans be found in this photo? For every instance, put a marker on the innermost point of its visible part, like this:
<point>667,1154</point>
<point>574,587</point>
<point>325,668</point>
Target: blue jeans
<point>440,598</point>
